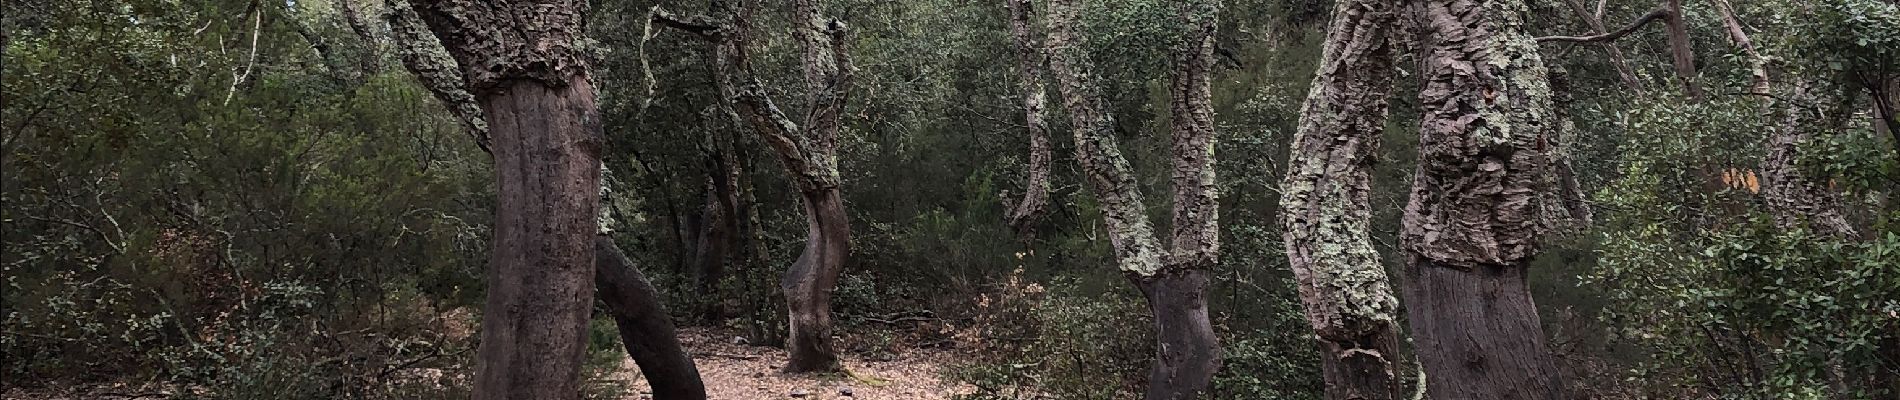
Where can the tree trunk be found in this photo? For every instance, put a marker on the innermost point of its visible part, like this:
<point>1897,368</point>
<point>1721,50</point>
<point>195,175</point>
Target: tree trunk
<point>645,328</point>
<point>716,234</point>
<point>540,286</point>
<point>1796,199</point>
<point>1681,51</point>
<point>808,283</point>
<point>1026,213</point>
<point>1187,350</point>
<point>1471,226</point>
<point>1327,209</point>
<point>521,61</point>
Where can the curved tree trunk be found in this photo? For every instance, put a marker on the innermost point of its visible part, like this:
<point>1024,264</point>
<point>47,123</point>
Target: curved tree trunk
<point>808,283</point>
<point>1187,350</point>
<point>1471,226</point>
<point>1326,204</point>
<point>1025,214</point>
<point>645,328</point>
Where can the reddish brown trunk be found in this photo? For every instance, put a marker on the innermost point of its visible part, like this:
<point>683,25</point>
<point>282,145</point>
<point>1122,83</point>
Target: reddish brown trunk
<point>540,279</point>
<point>1476,332</point>
<point>808,283</point>
<point>645,328</point>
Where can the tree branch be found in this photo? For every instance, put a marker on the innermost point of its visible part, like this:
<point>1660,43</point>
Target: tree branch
<point>696,25</point>
<point>1659,13</point>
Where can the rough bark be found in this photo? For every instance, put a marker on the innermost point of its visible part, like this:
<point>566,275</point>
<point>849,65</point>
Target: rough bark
<point>425,58</point>
<point>809,156</point>
<point>807,151</point>
<point>1326,205</point>
<point>645,328</point>
<point>1109,176</point>
<point>1187,350</point>
<point>1026,213</point>
<point>1795,198</point>
<point>1471,226</point>
<point>521,62</point>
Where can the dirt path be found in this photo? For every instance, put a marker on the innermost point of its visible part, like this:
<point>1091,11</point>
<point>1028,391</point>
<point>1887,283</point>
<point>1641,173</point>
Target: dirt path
<point>741,372</point>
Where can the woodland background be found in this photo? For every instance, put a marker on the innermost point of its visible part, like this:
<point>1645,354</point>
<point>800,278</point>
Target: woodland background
<point>256,197</point>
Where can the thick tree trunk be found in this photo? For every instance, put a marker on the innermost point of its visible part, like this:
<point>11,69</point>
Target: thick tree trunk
<point>521,61</point>
<point>1187,350</point>
<point>1476,332</point>
<point>808,283</point>
<point>1326,204</point>
<point>540,279</point>
<point>1471,226</point>
<point>645,328</point>
<point>1025,214</point>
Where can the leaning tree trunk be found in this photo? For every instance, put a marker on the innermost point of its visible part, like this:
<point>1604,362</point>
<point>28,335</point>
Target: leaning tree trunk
<point>1187,351</point>
<point>1025,214</point>
<point>1327,209</point>
<point>1471,227</point>
<point>645,328</point>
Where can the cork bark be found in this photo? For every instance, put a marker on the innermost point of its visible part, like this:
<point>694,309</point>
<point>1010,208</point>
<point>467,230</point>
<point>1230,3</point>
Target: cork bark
<point>1025,213</point>
<point>1796,198</point>
<point>520,62</point>
<point>1173,280</point>
<point>645,327</point>
<point>1471,226</point>
<point>807,149</point>
<point>1326,204</point>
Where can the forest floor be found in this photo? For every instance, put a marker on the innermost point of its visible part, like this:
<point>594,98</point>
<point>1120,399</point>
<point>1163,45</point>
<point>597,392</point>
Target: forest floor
<point>734,371</point>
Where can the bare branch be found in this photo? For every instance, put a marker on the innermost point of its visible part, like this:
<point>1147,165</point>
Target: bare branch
<point>1659,13</point>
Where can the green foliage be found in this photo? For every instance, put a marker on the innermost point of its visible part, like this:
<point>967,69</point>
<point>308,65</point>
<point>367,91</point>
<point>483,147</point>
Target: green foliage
<point>1060,343</point>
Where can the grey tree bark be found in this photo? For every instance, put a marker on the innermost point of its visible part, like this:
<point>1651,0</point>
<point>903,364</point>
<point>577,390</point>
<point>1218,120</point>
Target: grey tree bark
<point>1471,226</point>
<point>1173,280</point>
<point>1326,207</point>
<point>1026,213</point>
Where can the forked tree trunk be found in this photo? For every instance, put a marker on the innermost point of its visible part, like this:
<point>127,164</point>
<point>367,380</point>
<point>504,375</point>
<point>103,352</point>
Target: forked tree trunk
<point>645,328</point>
<point>1471,227</point>
<point>1026,213</point>
<point>1326,205</point>
<point>1174,281</point>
